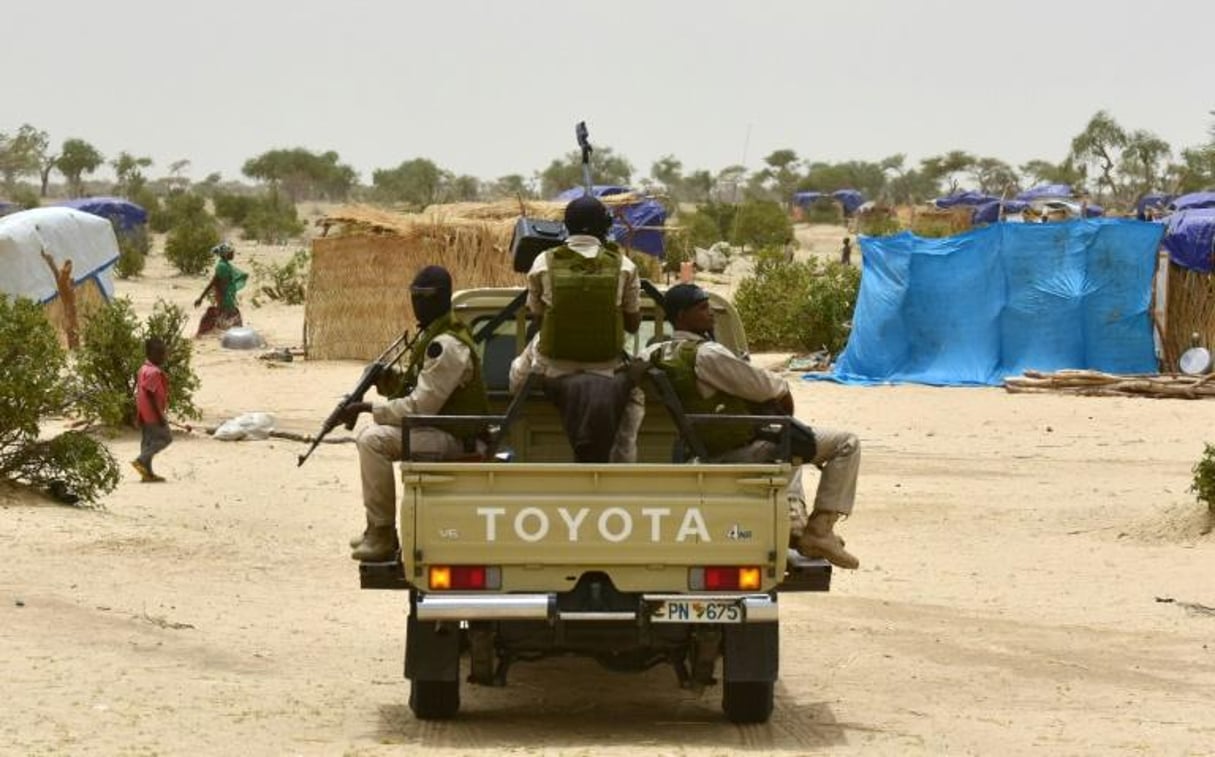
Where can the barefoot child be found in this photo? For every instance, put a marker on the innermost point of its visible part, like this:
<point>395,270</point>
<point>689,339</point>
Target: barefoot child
<point>151,403</point>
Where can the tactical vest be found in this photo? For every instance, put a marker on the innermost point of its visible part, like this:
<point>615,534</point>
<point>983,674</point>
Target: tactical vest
<point>678,362</point>
<point>469,399</point>
<point>584,322</point>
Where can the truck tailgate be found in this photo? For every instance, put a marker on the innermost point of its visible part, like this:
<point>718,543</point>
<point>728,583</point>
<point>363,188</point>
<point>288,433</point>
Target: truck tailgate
<point>544,524</point>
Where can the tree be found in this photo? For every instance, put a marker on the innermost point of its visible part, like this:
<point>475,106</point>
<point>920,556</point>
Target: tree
<point>566,172</point>
<point>303,175</point>
<point>993,176</point>
<point>947,168</point>
<point>512,185</point>
<point>21,154</point>
<point>417,182</point>
<point>1196,171</point>
<point>130,178</point>
<point>699,186</point>
<point>668,171</point>
<point>77,158</point>
<point>463,188</point>
<point>782,172</point>
<point>1100,144</point>
<point>1144,161</point>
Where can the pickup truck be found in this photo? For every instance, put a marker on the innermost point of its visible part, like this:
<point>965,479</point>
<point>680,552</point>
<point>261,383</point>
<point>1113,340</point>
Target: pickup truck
<point>525,554</point>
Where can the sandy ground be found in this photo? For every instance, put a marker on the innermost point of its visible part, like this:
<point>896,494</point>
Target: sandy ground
<point>1015,554</point>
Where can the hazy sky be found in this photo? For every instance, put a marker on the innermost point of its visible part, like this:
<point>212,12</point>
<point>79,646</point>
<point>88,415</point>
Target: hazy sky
<point>491,88</point>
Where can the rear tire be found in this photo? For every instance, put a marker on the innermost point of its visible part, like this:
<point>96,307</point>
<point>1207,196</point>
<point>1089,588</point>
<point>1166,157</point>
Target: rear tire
<point>434,700</point>
<point>747,701</point>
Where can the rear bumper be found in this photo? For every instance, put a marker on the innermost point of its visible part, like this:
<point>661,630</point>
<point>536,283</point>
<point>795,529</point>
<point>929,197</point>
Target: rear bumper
<point>757,608</point>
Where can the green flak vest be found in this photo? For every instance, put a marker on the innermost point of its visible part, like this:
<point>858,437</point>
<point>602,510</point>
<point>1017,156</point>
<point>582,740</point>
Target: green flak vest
<point>584,322</point>
<point>469,399</point>
<point>680,368</point>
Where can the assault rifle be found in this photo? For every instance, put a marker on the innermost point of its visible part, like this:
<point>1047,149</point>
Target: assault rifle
<point>371,374</point>
<point>584,143</point>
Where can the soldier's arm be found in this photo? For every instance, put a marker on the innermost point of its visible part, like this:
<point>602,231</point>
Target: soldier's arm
<point>722,370</point>
<point>448,364</point>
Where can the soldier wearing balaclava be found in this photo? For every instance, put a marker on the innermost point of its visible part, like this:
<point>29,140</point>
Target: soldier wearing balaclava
<point>442,376</point>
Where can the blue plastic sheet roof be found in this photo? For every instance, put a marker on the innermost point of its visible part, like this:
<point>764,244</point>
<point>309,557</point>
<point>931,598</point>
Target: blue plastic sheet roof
<point>851,199</point>
<point>125,214</point>
<point>989,212</point>
<point>964,198</point>
<point>806,199</point>
<point>1151,200</point>
<point>1045,191</point>
<point>1189,238</point>
<point>1194,200</point>
<point>993,302</point>
<point>638,225</point>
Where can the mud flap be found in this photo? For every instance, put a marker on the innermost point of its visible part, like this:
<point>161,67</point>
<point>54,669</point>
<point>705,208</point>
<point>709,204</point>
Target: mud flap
<point>432,650</point>
<point>751,652</point>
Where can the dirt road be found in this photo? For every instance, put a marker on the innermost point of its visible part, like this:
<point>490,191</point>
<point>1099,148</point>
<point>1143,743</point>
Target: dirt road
<point>1015,551</point>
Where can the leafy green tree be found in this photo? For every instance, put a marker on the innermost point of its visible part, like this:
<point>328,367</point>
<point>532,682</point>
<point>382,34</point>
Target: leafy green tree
<point>698,186</point>
<point>948,168</point>
<point>112,350</point>
<point>1044,172</point>
<point>33,385</point>
<point>1195,172</point>
<point>130,176</point>
<point>668,171</point>
<point>192,233</point>
<point>418,182</point>
<point>271,219</point>
<point>783,173</point>
<point>761,224</point>
<point>133,246</point>
<point>787,305</point>
<point>1101,144</point>
<point>511,186</point>
<point>1144,162</point>
<point>566,172</point>
<point>993,176</point>
<point>77,158</point>
<point>463,188</point>
<point>303,175</point>
<point>21,154</point>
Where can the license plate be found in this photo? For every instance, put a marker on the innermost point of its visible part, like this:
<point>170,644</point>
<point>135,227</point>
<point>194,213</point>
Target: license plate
<point>696,611</point>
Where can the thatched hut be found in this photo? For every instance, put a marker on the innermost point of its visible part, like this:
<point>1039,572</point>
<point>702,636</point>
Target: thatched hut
<point>1189,240</point>
<point>358,298</point>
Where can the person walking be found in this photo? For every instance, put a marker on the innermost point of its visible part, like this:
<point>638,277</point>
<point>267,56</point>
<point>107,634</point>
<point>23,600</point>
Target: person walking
<point>224,284</point>
<point>151,404</point>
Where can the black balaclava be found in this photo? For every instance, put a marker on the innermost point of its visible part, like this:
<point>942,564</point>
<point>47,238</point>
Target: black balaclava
<point>586,215</point>
<point>430,294</point>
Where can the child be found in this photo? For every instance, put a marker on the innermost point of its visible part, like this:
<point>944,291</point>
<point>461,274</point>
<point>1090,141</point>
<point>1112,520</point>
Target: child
<point>151,403</point>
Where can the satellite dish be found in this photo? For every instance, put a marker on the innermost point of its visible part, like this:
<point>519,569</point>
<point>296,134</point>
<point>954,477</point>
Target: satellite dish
<point>1195,361</point>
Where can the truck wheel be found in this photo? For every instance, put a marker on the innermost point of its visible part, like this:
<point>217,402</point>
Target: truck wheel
<point>747,701</point>
<point>434,700</point>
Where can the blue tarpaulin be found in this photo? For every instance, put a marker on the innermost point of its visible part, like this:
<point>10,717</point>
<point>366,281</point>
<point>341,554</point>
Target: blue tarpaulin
<point>993,302</point>
<point>964,198</point>
<point>638,225</point>
<point>1045,191</point>
<point>1151,200</point>
<point>1190,238</point>
<point>989,212</point>
<point>125,215</point>
<point>1194,200</point>
<point>806,199</point>
<point>850,199</point>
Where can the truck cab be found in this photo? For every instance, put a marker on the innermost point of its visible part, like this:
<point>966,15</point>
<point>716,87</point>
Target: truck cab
<point>523,554</point>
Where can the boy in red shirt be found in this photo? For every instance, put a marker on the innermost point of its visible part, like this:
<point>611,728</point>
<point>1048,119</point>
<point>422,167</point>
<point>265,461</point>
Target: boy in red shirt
<point>151,403</point>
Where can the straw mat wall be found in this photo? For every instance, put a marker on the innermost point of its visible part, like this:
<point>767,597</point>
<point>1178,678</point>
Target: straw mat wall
<point>88,299</point>
<point>1190,308</point>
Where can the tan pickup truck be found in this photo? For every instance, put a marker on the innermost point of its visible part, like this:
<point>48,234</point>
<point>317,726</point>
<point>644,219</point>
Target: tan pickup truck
<point>525,554</point>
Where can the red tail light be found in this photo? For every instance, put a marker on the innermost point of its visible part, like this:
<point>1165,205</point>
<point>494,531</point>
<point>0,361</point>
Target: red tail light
<point>725,578</point>
<point>464,577</point>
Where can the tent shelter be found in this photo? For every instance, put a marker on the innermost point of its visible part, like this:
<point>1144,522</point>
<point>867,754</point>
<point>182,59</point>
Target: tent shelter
<point>64,234</point>
<point>1189,240</point>
<point>1045,192</point>
<point>1193,201</point>
<point>639,219</point>
<point>849,199</point>
<point>125,215</point>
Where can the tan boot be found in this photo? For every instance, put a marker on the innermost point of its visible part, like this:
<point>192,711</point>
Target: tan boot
<point>357,540</point>
<point>820,540</point>
<point>379,545</point>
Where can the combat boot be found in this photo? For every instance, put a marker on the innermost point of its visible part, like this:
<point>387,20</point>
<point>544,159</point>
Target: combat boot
<point>820,540</point>
<point>379,545</point>
<point>357,540</point>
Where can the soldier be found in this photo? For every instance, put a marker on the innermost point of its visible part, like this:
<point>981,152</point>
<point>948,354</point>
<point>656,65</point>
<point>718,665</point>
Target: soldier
<point>709,378</point>
<point>586,294</point>
<point>442,377</point>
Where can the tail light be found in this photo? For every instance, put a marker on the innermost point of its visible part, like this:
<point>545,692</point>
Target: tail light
<point>724,578</point>
<point>464,577</point>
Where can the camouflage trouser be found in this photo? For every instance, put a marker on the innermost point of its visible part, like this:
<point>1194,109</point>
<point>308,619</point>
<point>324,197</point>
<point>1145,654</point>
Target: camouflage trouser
<point>837,455</point>
<point>379,447</point>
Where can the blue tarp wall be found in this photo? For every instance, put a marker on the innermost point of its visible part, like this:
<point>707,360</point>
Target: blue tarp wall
<point>645,217</point>
<point>126,215</point>
<point>1189,238</point>
<point>993,302</point>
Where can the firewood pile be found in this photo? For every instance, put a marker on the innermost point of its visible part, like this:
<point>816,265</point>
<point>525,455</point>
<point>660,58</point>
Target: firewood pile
<point>1098,384</point>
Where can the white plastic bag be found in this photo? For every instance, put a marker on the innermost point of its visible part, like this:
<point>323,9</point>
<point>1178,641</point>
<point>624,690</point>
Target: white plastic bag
<point>248,426</point>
